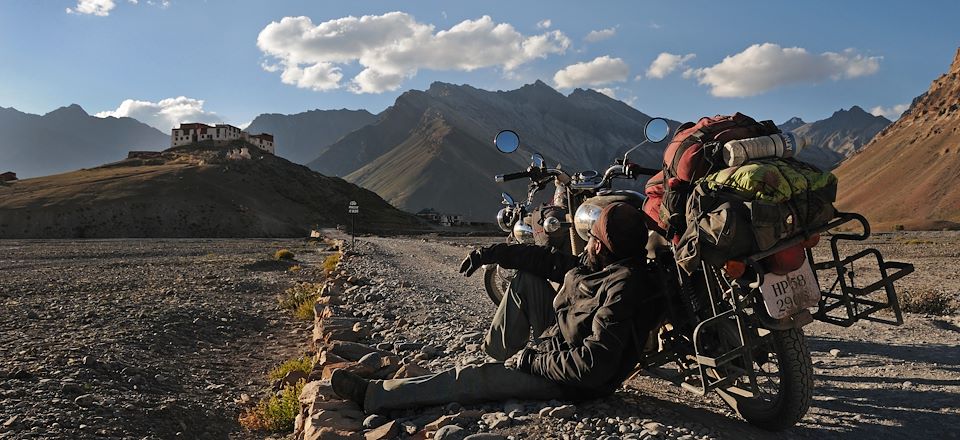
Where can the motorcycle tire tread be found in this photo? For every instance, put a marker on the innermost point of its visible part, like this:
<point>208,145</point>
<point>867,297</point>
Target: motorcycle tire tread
<point>786,413</point>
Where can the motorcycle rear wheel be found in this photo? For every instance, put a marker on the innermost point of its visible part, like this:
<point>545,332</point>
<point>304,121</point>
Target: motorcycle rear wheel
<point>785,394</point>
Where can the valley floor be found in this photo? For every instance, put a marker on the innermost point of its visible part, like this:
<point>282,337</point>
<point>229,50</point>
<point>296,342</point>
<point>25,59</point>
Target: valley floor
<point>145,339</point>
<point>161,338</point>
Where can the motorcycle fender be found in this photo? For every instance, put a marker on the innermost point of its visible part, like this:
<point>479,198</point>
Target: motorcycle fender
<point>795,321</point>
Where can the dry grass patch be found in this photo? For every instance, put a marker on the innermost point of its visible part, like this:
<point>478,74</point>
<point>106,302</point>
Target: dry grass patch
<point>929,302</point>
<point>330,263</point>
<point>283,254</point>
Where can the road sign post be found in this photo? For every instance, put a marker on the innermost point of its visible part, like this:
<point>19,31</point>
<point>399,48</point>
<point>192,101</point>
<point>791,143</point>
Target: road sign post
<point>353,209</point>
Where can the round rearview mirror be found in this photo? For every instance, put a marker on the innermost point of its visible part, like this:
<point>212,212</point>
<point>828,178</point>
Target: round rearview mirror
<point>507,141</point>
<point>536,160</point>
<point>656,129</point>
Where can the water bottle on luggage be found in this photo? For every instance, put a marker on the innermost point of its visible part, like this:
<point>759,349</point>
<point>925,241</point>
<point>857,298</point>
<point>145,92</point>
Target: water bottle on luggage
<point>784,144</point>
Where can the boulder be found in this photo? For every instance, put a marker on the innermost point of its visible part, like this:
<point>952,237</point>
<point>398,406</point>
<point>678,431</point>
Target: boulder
<point>353,367</point>
<point>351,351</point>
<point>317,390</point>
<point>440,423</point>
<point>411,370</point>
<point>386,431</point>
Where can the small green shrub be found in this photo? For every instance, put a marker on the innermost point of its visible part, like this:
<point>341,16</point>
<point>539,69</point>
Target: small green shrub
<point>303,363</point>
<point>898,227</point>
<point>276,413</point>
<point>294,297</point>
<point>283,254</point>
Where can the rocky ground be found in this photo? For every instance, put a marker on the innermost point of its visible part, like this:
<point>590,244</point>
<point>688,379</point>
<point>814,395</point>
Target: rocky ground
<point>871,379</point>
<point>166,338</point>
<point>150,339</point>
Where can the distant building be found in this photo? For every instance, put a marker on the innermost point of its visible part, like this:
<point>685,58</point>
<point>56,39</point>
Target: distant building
<point>190,133</point>
<point>440,218</point>
<point>9,176</point>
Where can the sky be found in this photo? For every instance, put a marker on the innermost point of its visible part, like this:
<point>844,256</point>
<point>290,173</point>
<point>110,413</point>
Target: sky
<point>170,61</point>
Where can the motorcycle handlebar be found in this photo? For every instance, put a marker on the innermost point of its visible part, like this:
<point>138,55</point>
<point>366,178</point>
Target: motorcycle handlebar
<point>499,178</point>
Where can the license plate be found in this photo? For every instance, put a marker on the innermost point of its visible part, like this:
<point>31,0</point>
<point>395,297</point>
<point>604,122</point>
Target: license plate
<point>785,295</point>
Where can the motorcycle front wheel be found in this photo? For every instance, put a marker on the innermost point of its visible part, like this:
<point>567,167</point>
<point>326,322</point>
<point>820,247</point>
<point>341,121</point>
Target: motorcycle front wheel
<point>784,381</point>
<point>495,282</point>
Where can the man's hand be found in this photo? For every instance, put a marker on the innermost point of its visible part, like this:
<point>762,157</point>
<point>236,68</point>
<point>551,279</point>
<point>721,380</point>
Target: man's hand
<point>525,361</point>
<point>473,262</point>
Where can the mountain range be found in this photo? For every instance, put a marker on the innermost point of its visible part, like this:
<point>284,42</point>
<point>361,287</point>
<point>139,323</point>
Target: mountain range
<point>434,149</point>
<point>303,136</point>
<point>67,139</point>
<point>831,140</point>
<point>908,175</point>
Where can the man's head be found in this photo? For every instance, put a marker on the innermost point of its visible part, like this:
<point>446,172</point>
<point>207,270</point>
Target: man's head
<point>620,232</point>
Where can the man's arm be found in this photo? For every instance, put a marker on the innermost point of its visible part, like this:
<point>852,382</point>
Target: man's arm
<point>538,260</point>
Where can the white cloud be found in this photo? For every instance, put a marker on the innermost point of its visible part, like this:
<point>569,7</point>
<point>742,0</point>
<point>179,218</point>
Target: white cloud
<point>612,93</point>
<point>891,113</point>
<point>600,35</point>
<point>654,25</point>
<point>600,71</point>
<point>544,24</point>
<point>165,114</point>
<point>100,8</point>
<point>392,48</point>
<point>763,67</point>
<point>666,63</point>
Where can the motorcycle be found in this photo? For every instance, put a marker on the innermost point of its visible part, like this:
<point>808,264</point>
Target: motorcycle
<point>550,225</point>
<point>737,329</point>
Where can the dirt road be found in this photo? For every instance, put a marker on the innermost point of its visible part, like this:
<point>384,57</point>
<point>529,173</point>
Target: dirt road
<point>894,382</point>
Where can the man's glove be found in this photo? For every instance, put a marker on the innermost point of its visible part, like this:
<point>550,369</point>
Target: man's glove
<point>525,361</point>
<point>476,260</point>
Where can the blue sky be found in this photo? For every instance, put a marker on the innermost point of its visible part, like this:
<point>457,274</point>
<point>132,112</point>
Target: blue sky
<point>786,59</point>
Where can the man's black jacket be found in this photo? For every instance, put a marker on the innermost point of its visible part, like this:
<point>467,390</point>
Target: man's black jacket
<point>592,348</point>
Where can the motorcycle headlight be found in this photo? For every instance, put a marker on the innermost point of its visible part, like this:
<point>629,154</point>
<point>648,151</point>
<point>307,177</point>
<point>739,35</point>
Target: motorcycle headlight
<point>551,225</point>
<point>523,232</point>
<point>587,214</point>
<point>505,219</point>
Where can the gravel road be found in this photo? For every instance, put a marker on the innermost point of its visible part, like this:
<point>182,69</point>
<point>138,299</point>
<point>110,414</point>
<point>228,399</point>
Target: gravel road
<point>139,339</point>
<point>898,382</point>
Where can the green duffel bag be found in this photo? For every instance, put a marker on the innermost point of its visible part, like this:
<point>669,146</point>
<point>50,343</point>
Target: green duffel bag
<point>743,210</point>
<point>785,196</point>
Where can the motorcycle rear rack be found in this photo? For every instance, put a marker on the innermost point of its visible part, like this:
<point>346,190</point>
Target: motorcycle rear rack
<point>844,303</point>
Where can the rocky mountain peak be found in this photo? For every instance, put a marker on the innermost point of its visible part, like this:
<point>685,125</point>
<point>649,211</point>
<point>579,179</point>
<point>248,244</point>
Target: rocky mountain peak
<point>796,120</point>
<point>72,110</point>
<point>955,67</point>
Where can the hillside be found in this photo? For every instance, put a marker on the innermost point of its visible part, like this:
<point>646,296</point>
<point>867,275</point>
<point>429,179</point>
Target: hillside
<point>303,136</point>
<point>832,139</point>
<point>434,148</point>
<point>189,193</point>
<point>909,174</point>
<point>69,139</point>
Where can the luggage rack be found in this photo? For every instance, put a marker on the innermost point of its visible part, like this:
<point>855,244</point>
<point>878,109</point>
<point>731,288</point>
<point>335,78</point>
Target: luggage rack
<point>844,303</point>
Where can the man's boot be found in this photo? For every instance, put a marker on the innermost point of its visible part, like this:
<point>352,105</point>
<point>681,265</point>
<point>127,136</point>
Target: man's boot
<point>349,386</point>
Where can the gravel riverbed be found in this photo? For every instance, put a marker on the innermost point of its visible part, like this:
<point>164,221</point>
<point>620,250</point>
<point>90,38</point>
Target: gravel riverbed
<point>142,339</point>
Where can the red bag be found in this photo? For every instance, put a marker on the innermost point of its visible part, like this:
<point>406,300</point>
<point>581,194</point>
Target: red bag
<point>692,154</point>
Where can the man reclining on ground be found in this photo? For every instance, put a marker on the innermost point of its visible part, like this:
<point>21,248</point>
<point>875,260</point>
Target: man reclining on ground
<point>592,328</point>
